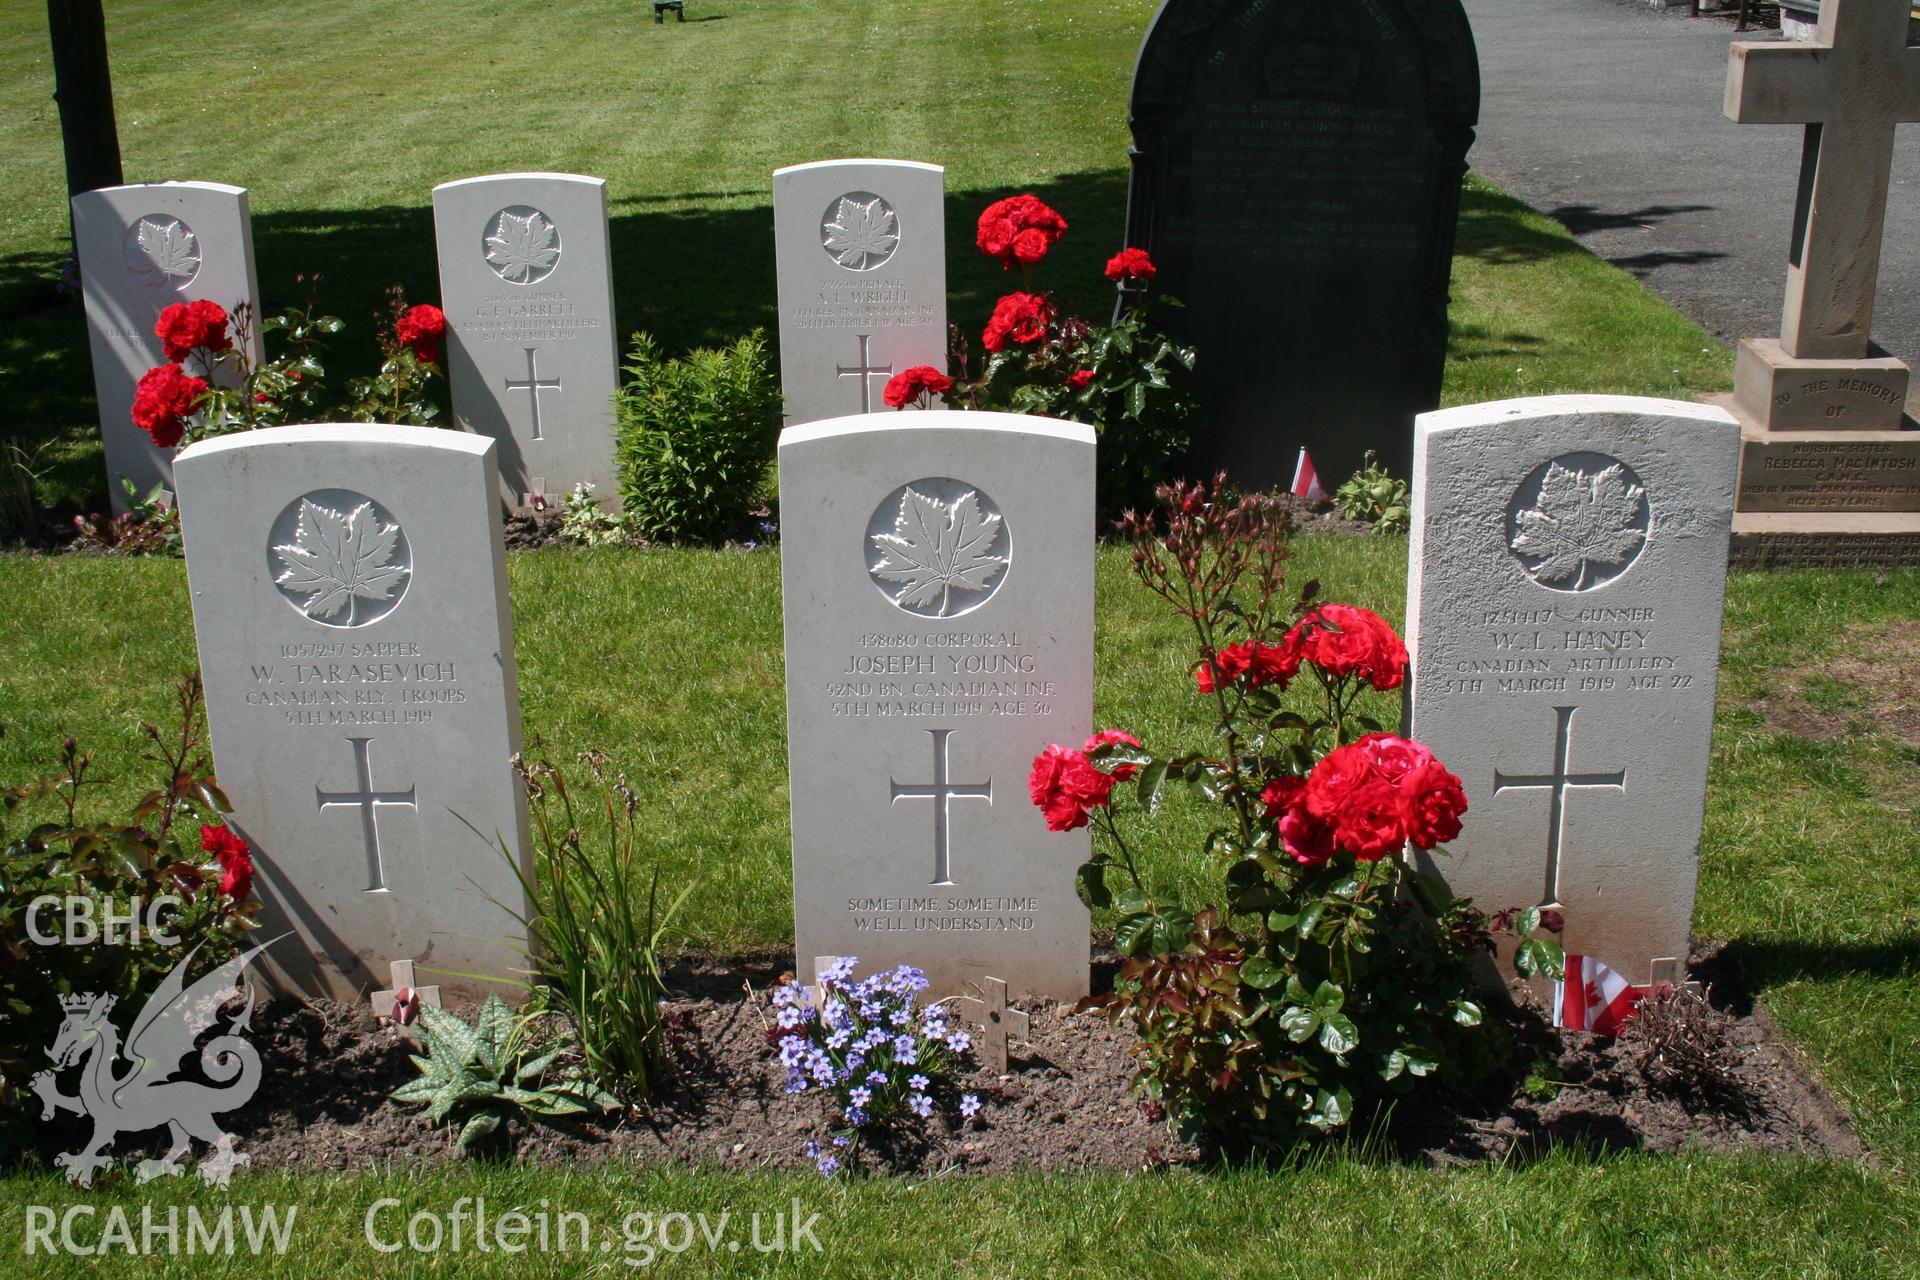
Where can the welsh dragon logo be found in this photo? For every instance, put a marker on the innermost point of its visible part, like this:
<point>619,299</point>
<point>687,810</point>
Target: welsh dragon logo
<point>144,1095</point>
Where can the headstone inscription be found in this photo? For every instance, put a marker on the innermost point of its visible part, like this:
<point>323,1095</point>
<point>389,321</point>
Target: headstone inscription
<point>1296,180</point>
<point>350,599</point>
<point>1826,469</point>
<point>860,255</point>
<point>938,589</point>
<point>526,281</point>
<point>141,248</point>
<point>1567,570</point>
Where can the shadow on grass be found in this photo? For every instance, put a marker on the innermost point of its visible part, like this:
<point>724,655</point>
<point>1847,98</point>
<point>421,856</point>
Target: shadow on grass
<point>1751,965</point>
<point>692,276</point>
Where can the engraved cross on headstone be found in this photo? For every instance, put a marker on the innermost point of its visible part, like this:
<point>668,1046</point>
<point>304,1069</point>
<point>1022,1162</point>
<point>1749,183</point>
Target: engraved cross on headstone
<point>999,1020</point>
<point>1557,784</point>
<point>865,370</point>
<point>942,793</point>
<point>533,385</point>
<point>1850,86</point>
<point>367,800</point>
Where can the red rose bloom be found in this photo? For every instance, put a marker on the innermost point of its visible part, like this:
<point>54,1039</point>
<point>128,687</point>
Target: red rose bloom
<point>1018,317</point>
<point>162,399</point>
<point>1384,792</point>
<point>1307,840</point>
<point>1131,264</point>
<point>1020,229</point>
<point>1259,664</point>
<point>236,861</point>
<point>184,326</point>
<point>907,386</point>
<point>421,327</point>
<point>1120,772</point>
<point>1065,786</point>
<point>1343,640</point>
<point>1079,379</point>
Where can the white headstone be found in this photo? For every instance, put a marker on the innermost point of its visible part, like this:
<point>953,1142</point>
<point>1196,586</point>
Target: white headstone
<point>141,248</point>
<point>860,252</point>
<point>938,590</point>
<point>350,598</point>
<point>1568,565</point>
<point>526,282</point>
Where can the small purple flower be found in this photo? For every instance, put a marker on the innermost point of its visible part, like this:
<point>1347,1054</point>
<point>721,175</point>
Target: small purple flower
<point>899,1018</point>
<point>860,1096</point>
<point>856,1117</point>
<point>959,1042</point>
<point>917,1083</point>
<point>813,1150</point>
<point>876,1077</point>
<point>969,1105</point>
<point>827,1165</point>
<point>921,1105</point>
<point>841,1140</point>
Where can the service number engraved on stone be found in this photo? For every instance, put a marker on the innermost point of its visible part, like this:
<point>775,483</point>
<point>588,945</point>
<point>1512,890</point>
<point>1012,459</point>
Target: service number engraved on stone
<point>339,559</point>
<point>860,231</point>
<point>162,252</point>
<point>522,244</point>
<point>1578,521</point>
<point>938,548</point>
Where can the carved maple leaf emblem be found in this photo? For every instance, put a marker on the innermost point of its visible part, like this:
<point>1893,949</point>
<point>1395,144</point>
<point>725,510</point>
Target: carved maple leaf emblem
<point>167,253</point>
<point>1581,521</point>
<point>337,559</point>
<point>523,248</point>
<point>861,233</point>
<point>936,548</point>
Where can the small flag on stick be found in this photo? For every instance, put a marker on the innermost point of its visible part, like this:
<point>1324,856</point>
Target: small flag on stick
<point>1306,481</point>
<point>1594,998</point>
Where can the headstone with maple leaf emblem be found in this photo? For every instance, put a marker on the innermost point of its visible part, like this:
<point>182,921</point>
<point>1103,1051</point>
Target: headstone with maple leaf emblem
<point>141,248</point>
<point>350,601</point>
<point>526,281</point>
<point>860,255</point>
<point>1568,565</point>
<point>938,588</point>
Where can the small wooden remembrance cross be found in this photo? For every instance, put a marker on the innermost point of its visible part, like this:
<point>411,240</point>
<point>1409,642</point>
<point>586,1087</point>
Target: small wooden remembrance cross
<point>999,1020</point>
<point>402,1002</point>
<point>1850,86</point>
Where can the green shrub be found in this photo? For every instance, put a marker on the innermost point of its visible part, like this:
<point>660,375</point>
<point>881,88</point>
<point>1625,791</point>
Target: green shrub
<point>695,438</point>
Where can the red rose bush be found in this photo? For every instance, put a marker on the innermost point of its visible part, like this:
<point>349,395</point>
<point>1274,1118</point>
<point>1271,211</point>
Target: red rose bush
<point>1332,973</point>
<point>214,382</point>
<point>1126,379</point>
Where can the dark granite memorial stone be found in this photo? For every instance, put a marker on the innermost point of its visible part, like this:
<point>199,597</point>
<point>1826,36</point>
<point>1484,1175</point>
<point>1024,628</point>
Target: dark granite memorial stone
<point>1296,179</point>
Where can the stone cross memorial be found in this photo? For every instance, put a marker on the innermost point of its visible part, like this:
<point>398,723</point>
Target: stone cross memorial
<point>141,248</point>
<point>1826,471</point>
<point>526,281</point>
<point>860,254</point>
<point>350,598</point>
<point>1568,564</point>
<point>938,589</point>
<point>1296,179</point>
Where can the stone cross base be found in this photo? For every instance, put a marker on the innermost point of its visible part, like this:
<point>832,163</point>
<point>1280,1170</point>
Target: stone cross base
<point>1779,392</point>
<point>1829,465</point>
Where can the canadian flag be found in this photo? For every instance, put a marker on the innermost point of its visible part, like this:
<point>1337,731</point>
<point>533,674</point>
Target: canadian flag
<point>1593,998</point>
<point>1306,481</point>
